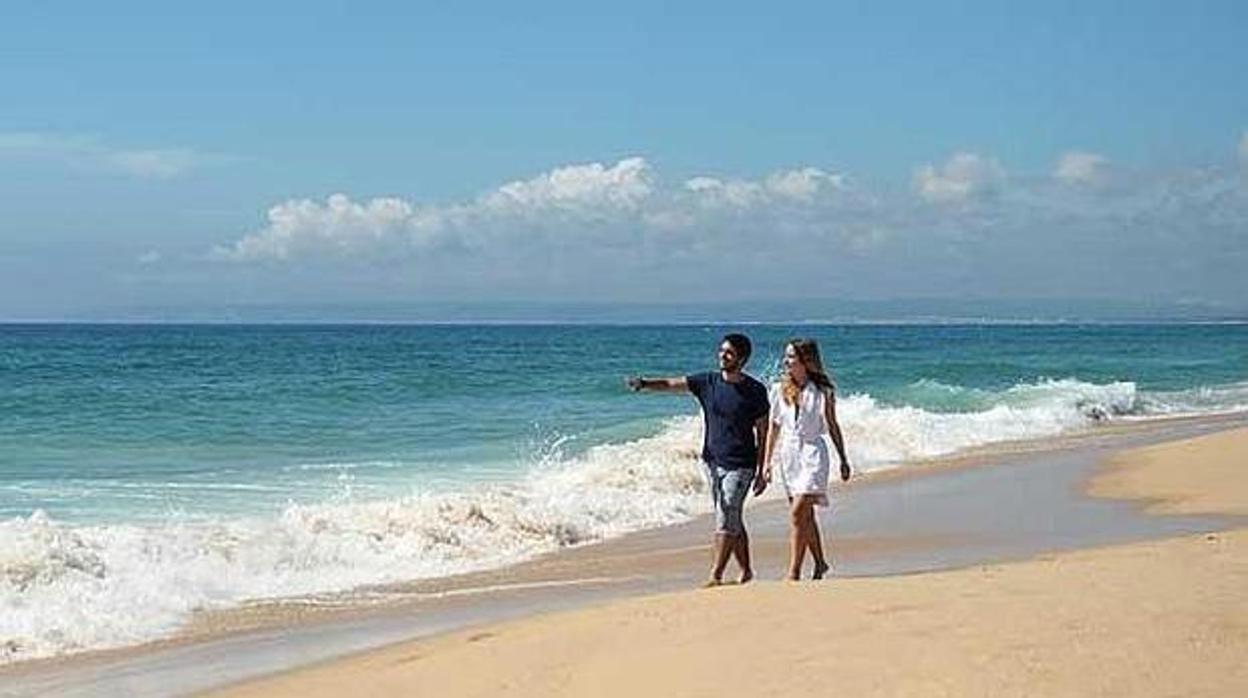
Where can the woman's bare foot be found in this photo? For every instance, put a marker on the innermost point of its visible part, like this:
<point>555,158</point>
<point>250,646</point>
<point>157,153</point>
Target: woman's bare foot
<point>711,583</point>
<point>746,576</point>
<point>821,568</point>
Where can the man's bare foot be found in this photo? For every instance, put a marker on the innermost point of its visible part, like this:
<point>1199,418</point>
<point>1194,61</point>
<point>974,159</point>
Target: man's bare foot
<point>821,568</point>
<point>712,582</point>
<point>745,577</point>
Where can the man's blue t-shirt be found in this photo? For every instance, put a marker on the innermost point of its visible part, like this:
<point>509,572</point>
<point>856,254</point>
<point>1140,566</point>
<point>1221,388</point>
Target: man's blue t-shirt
<point>730,411</point>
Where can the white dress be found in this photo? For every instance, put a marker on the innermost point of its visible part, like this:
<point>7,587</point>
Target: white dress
<point>801,456</point>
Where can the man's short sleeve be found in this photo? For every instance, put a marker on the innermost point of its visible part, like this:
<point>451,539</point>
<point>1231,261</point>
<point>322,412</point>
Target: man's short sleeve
<point>697,383</point>
<point>762,402</point>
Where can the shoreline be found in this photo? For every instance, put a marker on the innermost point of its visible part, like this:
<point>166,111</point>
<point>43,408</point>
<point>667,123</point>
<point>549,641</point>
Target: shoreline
<point>671,558</point>
<point>1160,617</point>
<point>280,612</point>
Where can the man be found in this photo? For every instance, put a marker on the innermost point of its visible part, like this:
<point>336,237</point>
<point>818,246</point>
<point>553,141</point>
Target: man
<point>734,409</point>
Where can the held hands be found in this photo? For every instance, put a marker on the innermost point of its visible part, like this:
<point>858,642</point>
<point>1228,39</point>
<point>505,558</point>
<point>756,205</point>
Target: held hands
<point>760,482</point>
<point>844,471</point>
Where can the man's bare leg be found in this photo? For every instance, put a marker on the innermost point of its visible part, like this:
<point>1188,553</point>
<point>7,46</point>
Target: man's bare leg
<point>724,546</point>
<point>742,553</point>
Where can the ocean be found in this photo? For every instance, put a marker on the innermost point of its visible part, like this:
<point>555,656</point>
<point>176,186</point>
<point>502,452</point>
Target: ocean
<point>150,471</point>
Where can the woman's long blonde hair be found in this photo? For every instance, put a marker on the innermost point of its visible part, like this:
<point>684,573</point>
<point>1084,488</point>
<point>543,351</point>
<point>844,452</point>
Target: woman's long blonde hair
<point>807,351</point>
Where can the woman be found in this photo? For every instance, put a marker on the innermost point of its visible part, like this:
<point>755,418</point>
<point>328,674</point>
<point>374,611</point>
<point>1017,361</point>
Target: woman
<point>803,414</point>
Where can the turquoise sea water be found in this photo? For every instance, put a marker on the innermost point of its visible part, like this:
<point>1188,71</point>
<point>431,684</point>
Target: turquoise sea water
<point>205,465</point>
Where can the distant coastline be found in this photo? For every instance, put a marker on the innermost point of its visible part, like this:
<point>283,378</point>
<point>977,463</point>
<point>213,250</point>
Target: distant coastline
<point>744,312</point>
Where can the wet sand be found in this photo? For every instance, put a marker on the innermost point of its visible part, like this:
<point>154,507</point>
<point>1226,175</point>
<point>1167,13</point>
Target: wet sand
<point>1165,617</point>
<point>987,507</point>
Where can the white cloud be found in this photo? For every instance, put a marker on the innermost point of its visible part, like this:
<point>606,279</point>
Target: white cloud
<point>149,257</point>
<point>964,175</point>
<point>802,184</point>
<point>623,186</point>
<point>90,153</point>
<point>700,184</point>
<point>591,193</point>
<point>336,227</point>
<point>1077,167</point>
<point>606,230</point>
<point>586,204</point>
<point>712,191</point>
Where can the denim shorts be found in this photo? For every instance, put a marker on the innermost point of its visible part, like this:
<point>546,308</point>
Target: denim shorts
<point>729,487</point>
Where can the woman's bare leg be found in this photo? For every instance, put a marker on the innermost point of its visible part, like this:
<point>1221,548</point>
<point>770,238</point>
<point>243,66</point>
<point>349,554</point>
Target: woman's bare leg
<point>798,535</point>
<point>814,540</point>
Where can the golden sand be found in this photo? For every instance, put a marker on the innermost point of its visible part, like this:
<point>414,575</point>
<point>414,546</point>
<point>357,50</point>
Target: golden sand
<point>1159,618</point>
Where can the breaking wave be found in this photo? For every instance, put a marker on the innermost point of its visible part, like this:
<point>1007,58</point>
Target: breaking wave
<point>66,587</point>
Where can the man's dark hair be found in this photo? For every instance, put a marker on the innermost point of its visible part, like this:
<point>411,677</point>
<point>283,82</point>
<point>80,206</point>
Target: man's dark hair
<point>740,344</point>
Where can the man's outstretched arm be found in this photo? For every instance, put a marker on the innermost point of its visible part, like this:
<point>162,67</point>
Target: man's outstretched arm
<point>677,384</point>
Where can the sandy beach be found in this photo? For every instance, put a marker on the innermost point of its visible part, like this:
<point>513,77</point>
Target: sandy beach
<point>1162,617</point>
<point>1020,502</point>
<point>386,352</point>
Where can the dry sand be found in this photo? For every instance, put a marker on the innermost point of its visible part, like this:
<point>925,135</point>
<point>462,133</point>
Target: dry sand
<point>1194,476</point>
<point>1150,619</point>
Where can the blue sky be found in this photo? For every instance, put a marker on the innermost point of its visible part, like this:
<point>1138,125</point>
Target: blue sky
<point>960,150</point>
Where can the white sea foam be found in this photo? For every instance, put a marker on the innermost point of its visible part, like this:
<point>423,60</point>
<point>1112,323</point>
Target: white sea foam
<point>65,588</point>
<point>1232,397</point>
<point>880,436</point>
